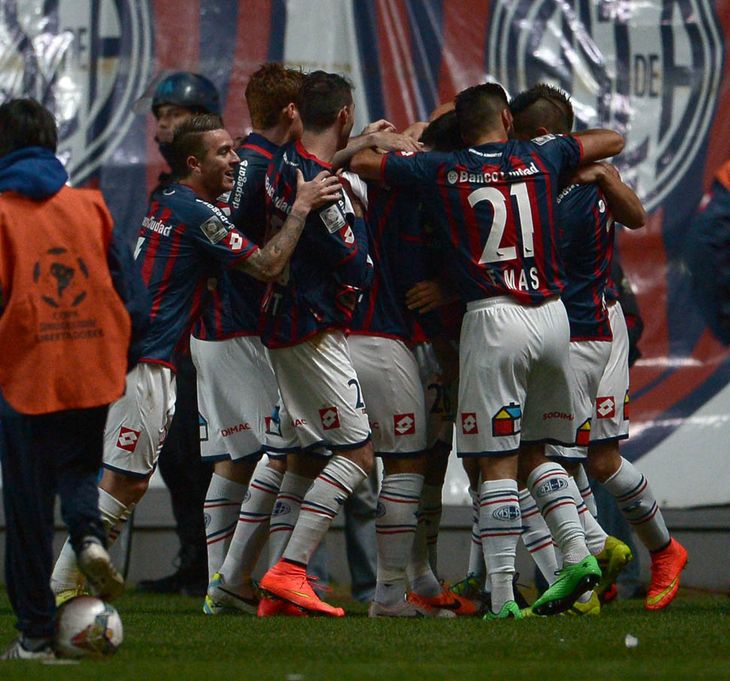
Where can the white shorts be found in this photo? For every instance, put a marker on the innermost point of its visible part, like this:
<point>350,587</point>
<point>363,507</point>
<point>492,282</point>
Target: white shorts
<point>137,423</point>
<point>515,380</point>
<point>611,416</point>
<point>392,389</point>
<point>321,393</point>
<point>588,360</point>
<point>440,397</point>
<point>237,396</point>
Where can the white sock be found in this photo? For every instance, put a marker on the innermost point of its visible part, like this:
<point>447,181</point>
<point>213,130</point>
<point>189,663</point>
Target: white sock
<point>66,574</point>
<point>476,554</point>
<point>395,530</point>
<point>595,534</point>
<point>420,570</point>
<point>500,526</point>
<point>252,528</point>
<point>222,504</point>
<point>285,514</point>
<point>537,538</point>
<point>322,502</point>
<point>584,486</point>
<point>548,484</point>
<point>637,503</point>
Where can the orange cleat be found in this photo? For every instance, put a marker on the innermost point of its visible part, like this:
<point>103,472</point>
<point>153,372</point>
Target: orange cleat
<point>666,568</point>
<point>289,582</point>
<point>275,607</point>
<point>446,600</point>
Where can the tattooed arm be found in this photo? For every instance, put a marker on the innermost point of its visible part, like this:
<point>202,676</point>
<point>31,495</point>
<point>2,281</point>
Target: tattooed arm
<point>267,263</point>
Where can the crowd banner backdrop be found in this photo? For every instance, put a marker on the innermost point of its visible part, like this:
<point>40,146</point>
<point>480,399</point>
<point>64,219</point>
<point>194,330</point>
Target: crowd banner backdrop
<point>654,70</point>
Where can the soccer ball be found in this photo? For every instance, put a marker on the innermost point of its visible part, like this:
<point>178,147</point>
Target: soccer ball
<point>87,627</point>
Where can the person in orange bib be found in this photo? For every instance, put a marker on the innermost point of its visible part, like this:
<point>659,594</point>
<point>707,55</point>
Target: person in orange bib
<point>64,339</point>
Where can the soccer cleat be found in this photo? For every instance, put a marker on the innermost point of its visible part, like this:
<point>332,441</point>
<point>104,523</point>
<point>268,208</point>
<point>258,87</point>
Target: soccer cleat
<point>666,568</point>
<point>591,607</point>
<point>101,576</point>
<point>610,595</point>
<point>572,581</point>
<point>509,611</point>
<point>219,599</point>
<point>446,600</point>
<point>275,607</point>
<point>17,651</point>
<point>405,608</point>
<point>290,582</point>
<point>615,557</point>
<point>470,587</point>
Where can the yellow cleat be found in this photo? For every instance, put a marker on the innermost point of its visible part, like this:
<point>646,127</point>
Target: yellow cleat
<point>67,594</point>
<point>612,560</point>
<point>591,607</point>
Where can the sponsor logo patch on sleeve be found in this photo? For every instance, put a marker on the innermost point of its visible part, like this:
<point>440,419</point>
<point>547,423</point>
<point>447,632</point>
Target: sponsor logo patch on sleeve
<point>333,219</point>
<point>214,229</point>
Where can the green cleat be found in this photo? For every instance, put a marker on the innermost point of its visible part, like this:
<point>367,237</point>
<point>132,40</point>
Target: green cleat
<point>615,557</point>
<point>591,607</point>
<point>573,580</point>
<point>510,610</point>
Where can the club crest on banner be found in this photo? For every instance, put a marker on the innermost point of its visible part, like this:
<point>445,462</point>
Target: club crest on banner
<point>88,61</point>
<point>649,70</point>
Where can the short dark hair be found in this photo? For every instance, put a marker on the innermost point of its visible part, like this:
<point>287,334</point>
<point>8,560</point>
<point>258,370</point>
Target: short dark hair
<point>270,89</point>
<point>478,109</point>
<point>320,99</point>
<point>542,106</point>
<point>26,123</point>
<point>443,134</point>
<point>188,140</point>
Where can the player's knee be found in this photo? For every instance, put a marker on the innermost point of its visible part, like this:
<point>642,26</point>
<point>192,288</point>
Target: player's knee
<point>603,461</point>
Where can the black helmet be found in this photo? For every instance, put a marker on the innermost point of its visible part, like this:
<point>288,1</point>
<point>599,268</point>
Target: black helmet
<point>190,90</point>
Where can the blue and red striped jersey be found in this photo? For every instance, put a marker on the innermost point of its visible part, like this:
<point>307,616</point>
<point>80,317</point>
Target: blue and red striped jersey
<point>330,267</point>
<point>586,244</point>
<point>181,241</point>
<point>397,249</point>
<point>496,204</point>
<point>233,306</point>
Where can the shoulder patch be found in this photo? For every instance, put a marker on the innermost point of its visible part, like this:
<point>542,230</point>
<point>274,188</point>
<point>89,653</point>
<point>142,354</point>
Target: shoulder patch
<point>214,229</point>
<point>543,139</point>
<point>333,219</point>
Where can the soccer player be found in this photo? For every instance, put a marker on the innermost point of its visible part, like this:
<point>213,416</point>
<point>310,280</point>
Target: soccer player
<point>177,98</point>
<point>587,209</point>
<point>237,390</point>
<point>495,201</point>
<point>182,235</point>
<point>306,313</point>
<point>64,334</point>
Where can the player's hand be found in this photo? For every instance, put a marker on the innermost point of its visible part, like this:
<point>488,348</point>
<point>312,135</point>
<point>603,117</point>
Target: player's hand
<point>393,141</point>
<point>378,126</point>
<point>595,172</point>
<point>415,130</point>
<point>426,296</point>
<point>323,189</point>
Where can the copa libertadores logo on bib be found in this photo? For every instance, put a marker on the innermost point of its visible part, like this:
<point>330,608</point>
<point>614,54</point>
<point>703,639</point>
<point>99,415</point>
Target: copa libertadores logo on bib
<point>648,70</point>
<point>88,61</point>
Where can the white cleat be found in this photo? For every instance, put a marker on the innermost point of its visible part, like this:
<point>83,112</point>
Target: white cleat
<point>220,600</point>
<point>16,651</point>
<point>405,608</point>
<point>102,577</point>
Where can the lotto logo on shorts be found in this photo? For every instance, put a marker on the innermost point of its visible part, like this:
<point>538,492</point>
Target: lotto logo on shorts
<point>330,418</point>
<point>469,425</point>
<point>627,401</point>
<point>404,424</point>
<point>507,421</point>
<point>583,434</point>
<point>605,407</point>
<point>127,439</point>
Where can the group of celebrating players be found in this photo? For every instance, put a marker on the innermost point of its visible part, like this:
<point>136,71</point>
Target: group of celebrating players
<point>342,294</point>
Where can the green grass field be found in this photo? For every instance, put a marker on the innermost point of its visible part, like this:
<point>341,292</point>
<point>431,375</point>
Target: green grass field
<point>168,638</point>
